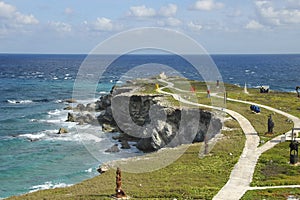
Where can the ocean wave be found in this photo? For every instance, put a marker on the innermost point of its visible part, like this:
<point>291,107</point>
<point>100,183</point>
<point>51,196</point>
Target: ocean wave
<point>59,101</point>
<point>19,101</point>
<point>88,170</point>
<point>33,137</point>
<point>54,112</point>
<point>51,135</point>
<point>48,185</point>
<point>14,101</point>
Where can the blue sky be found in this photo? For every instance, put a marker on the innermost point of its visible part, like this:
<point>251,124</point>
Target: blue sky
<point>220,26</point>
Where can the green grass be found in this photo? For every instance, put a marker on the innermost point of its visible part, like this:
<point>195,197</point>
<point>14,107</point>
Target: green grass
<point>189,177</point>
<point>285,101</point>
<point>260,121</point>
<point>272,194</point>
<point>273,168</point>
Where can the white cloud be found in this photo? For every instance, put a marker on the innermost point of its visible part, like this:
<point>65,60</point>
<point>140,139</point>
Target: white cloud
<point>141,11</point>
<point>195,27</point>
<point>170,21</point>
<point>168,11</point>
<point>61,26</point>
<point>103,24</point>
<point>254,25</point>
<point>10,17</point>
<point>6,10</point>
<point>276,16</point>
<point>207,5</point>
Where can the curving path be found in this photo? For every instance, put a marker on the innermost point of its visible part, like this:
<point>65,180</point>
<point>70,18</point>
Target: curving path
<point>242,174</point>
<point>270,144</point>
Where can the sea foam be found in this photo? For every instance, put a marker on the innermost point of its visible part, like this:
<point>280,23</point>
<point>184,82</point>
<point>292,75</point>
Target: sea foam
<point>19,101</point>
<point>48,185</point>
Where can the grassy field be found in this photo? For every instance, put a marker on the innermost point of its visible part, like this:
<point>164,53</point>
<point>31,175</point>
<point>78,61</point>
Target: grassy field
<point>189,177</point>
<point>272,194</point>
<point>273,168</point>
<point>287,102</point>
<point>260,121</point>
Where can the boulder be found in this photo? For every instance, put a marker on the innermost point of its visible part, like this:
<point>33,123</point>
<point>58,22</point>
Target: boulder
<point>108,128</point>
<point>125,144</point>
<point>80,107</point>
<point>71,118</point>
<point>113,149</point>
<point>102,169</point>
<point>103,103</point>
<point>88,118</point>
<point>62,131</point>
<point>144,145</point>
<point>91,107</point>
<point>68,108</point>
<point>70,100</point>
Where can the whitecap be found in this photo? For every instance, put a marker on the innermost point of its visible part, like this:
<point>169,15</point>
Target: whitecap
<point>54,112</point>
<point>48,185</point>
<point>88,170</point>
<point>33,136</point>
<point>74,137</point>
<point>52,121</point>
<point>19,101</point>
<point>247,70</point>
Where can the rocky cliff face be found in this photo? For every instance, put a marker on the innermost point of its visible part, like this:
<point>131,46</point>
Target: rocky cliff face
<point>145,119</point>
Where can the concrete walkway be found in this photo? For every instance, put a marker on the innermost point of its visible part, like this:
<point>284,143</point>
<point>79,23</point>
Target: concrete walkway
<point>270,144</point>
<point>242,174</point>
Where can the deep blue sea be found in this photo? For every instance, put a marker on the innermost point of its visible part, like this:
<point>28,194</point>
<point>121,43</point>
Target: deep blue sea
<point>33,88</point>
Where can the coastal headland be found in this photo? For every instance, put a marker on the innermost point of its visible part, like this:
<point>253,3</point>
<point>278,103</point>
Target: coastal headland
<point>189,176</point>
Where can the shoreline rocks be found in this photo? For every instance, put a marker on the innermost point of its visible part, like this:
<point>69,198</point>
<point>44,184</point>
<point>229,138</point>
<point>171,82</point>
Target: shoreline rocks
<point>113,149</point>
<point>147,119</point>
<point>141,117</point>
<point>62,131</point>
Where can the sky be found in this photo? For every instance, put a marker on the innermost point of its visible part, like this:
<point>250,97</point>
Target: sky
<point>220,26</point>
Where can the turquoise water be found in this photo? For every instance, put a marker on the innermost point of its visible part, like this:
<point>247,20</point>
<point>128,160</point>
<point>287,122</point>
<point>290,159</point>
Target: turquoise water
<point>33,88</point>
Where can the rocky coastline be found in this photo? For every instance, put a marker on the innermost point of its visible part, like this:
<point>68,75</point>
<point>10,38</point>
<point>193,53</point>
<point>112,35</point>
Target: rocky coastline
<point>145,118</point>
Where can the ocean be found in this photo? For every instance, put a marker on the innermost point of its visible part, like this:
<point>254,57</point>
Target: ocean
<point>33,90</point>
